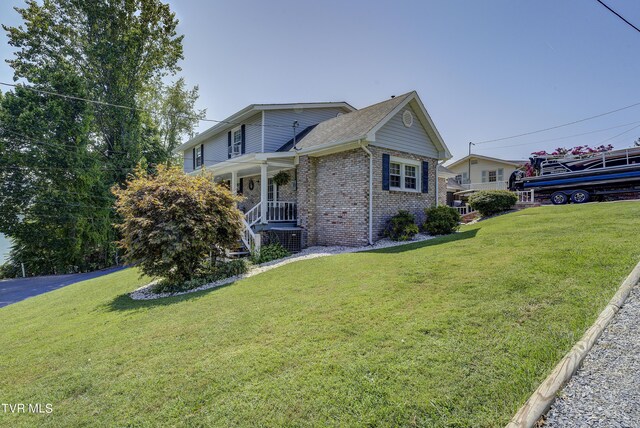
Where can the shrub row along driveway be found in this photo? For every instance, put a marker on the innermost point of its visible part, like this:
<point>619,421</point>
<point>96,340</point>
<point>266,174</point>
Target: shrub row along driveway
<point>15,290</point>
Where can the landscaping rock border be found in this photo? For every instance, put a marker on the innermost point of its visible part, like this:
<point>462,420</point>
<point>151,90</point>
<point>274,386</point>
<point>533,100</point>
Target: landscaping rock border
<point>145,293</point>
<point>540,402</point>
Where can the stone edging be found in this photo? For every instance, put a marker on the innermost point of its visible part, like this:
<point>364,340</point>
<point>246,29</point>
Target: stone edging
<point>540,401</point>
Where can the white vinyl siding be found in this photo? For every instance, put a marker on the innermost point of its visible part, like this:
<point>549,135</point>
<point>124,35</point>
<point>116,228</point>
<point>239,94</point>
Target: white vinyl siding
<point>414,139</point>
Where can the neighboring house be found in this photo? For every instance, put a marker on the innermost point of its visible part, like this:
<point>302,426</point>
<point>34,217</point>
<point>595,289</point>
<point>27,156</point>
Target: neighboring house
<point>351,170</point>
<point>448,185</point>
<point>477,172</point>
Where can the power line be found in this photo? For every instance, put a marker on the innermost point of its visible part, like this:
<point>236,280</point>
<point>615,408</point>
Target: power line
<point>559,126</point>
<point>565,137</point>
<point>619,16</point>
<point>104,103</point>
<point>616,136</point>
<point>37,142</point>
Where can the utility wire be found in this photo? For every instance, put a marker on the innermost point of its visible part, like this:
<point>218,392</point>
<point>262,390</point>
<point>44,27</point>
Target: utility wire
<point>619,16</point>
<point>563,138</point>
<point>72,97</point>
<point>559,126</point>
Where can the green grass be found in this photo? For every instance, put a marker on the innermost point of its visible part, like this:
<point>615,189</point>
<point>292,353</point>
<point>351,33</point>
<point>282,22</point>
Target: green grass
<point>457,331</point>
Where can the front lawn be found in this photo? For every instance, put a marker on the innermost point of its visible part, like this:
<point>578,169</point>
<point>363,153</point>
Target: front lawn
<point>455,331</point>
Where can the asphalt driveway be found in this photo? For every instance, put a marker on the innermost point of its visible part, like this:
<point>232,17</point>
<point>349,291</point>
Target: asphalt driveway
<point>14,290</point>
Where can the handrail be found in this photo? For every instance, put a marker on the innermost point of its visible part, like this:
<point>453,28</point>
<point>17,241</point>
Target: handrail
<point>253,215</point>
<point>250,239</point>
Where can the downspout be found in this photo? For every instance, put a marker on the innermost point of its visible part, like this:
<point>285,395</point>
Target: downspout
<point>368,152</point>
<point>437,180</point>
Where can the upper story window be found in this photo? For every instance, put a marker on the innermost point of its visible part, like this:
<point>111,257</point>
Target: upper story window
<point>491,176</point>
<point>198,156</point>
<point>235,149</point>
<point>404,175</point>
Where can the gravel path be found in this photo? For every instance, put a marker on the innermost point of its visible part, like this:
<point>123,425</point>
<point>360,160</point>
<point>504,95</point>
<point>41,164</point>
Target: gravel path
<point>605,392</point>
<point>144,293</point>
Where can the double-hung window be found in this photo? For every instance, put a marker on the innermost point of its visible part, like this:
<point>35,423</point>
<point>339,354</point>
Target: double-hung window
<point>236,143</point>
<point>491,176</point>
<point>404,174</point>
<point>198,152</point>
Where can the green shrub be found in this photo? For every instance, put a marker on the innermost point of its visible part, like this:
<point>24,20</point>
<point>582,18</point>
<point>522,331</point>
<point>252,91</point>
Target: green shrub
<point>206,275</point>
<point>270,252</point>
<point>172,222</point>
<point>401,227</point>
<point>489,202</point>
<point>441,220</point>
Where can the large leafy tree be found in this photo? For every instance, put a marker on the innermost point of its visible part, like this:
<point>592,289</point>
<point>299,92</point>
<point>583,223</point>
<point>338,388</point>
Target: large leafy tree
<point>54,202</point>
<point>62,153</point>
<point>115,47</point>
<point>172,109</point>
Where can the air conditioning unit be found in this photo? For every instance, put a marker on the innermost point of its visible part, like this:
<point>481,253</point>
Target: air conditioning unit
<point>289,237</point>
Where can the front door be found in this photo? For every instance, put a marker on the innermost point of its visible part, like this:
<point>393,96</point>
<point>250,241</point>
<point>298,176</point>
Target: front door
<point>272,197</point>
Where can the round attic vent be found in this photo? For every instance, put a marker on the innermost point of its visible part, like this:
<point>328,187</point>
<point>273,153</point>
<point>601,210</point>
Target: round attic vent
<point>407,118</point>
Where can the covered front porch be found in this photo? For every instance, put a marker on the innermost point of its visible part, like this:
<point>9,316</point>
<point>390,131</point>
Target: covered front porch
<point>265,205</point>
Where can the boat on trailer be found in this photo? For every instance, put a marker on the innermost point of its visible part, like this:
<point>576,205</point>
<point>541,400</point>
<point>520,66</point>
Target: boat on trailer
<point>577,178</point>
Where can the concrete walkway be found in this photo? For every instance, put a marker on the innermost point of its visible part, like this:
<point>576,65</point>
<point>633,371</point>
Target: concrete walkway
<point>605,392</point>
<point>15,290</point>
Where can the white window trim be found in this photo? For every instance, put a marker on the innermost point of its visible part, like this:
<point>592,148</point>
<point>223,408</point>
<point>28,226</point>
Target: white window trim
<point>233,153</point>
<point>403,162</point>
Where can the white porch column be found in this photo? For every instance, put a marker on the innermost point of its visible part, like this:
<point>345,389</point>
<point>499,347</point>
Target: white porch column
<point>263,193</point>
<point>234,182</point>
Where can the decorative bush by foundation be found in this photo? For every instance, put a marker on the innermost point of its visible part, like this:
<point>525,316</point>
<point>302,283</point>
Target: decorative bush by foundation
<point>489,202</point>
<point>172,223</point>
<point>401,227</point>
<point>270,252</point>
<point>441,220</point>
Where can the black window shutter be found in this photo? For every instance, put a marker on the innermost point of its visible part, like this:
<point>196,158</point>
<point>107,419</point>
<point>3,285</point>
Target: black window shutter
<point>425,177</point>
<point>229,145</point>
<point>242,151</point>
<point>385,171</point>
<point>194,159</point>
<point>240,186</point>
<point>201,155</point>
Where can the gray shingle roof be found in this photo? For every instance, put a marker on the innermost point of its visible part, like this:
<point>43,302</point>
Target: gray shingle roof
<point>350,126</point>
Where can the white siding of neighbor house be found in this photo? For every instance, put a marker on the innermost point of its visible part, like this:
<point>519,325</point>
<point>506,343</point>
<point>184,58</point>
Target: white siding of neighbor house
<point>276,137</point>
<point>414,139</point>
<point>216,148</point>
<point>483,165</point>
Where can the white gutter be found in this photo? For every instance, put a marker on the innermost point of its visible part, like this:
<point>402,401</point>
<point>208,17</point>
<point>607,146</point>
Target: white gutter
<point>368,152</point>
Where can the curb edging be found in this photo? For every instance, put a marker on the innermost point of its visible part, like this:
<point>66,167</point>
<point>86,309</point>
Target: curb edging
<point>540,401</point>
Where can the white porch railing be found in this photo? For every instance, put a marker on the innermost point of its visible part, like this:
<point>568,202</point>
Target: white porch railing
<point>525,196</point>
<point>282,211</point>
<point>253,215</point>
<point>491,185</point>
<point>250,239</point>
<point>464,209</point>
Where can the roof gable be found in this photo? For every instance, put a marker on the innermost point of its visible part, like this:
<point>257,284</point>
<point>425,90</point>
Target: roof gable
<point>364,123</point>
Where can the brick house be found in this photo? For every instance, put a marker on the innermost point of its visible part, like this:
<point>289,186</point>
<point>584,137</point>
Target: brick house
<point>349,170</point>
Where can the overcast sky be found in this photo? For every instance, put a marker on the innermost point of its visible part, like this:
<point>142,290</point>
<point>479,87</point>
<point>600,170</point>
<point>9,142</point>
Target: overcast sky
<point>484,69</point>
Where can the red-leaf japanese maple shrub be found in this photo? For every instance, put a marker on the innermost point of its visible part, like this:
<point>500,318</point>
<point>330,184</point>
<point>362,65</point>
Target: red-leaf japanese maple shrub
<point>174,225</point>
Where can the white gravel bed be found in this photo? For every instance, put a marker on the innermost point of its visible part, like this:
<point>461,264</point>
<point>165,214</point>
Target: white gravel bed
<point>605,392</point>
<point>145,293</point>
